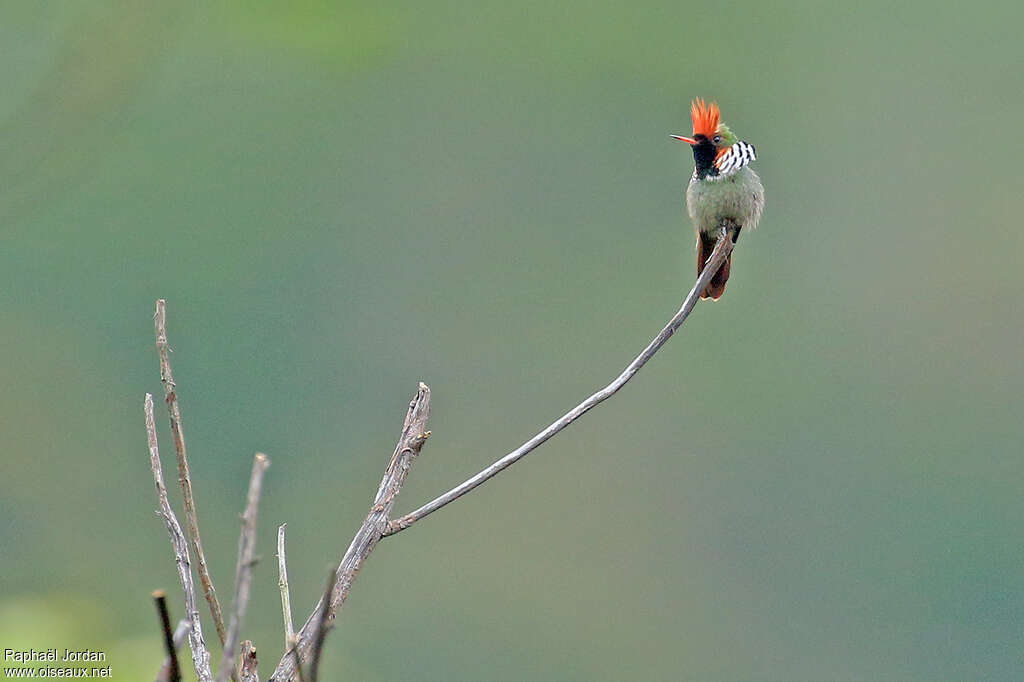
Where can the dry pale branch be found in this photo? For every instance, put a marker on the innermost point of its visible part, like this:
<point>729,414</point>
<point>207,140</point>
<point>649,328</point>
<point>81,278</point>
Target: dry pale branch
<point>180,633</point>
<point>282,584</point>
<point>722,250</point>
<point>370,532</point>
<point>249,664</point>
<point>243,567</point>
<point>184,475</point>
<point>307,643</point>
<point>414,434</point>
<point>200,654</point>
<point>173,671</point>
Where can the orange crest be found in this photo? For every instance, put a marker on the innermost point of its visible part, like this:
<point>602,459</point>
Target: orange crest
<point>705,117</point>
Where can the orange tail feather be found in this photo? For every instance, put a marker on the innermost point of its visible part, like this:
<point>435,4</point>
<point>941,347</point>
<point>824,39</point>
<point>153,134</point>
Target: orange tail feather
<point>716,287</point>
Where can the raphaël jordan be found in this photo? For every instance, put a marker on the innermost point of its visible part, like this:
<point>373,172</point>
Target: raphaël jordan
<point>64,656</point>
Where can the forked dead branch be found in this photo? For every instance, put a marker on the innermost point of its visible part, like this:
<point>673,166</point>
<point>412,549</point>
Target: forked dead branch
<point>301,657</point>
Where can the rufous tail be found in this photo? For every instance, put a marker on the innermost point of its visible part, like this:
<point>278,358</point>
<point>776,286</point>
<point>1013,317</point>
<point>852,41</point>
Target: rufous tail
<point>705,245</point>
<point>715,289</point>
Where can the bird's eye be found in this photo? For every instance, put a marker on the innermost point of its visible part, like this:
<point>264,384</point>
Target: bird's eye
<point>717,139</point>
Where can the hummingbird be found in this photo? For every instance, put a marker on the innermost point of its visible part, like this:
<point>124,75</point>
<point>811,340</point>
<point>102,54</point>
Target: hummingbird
<point>723,190</point>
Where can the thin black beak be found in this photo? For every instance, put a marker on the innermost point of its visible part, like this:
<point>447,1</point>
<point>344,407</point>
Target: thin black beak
<point>687,140</point>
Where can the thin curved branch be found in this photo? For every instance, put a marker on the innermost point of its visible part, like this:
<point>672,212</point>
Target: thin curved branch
<point>413,436</point>
<point>200,654</point>
<point>722,250</point>
<point>282,585</point>
<point>184,474</point>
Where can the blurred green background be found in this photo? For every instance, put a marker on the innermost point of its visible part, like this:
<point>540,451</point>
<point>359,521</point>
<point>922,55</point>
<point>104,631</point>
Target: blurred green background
<point>818,479</point>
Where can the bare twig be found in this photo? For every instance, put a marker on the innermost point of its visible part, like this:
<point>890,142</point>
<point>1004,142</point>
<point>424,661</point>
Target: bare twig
<point>722,250</point>
<point>184,475</point>
<point>249,663</point>
<point>180,632</point>
<point>243,567</point>
<point>173,671</point>
<point>290,640</point>
<point>321,628</point>
<point>414,434</point>
<point>282,584</point>
<point>200,654</point>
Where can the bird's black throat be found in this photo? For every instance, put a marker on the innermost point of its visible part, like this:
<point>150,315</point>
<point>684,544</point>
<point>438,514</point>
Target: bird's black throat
<point>704,153</point>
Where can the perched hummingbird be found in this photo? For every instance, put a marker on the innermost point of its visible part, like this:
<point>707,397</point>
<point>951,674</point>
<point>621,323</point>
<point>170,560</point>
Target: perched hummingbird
<point>723,188</point>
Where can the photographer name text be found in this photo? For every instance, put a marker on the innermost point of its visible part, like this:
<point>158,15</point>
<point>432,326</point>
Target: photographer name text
<point>31,655</point>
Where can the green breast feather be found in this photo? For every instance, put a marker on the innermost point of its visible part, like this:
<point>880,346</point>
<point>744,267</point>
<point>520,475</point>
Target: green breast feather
<point>738,196</point>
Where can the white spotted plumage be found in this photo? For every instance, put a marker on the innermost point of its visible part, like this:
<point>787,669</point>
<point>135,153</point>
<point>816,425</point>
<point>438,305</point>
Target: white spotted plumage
<point>736,157</point>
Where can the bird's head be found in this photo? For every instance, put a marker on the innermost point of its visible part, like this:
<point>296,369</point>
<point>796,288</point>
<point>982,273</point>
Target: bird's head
<point>707,126</point>
<point>712,140</point>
